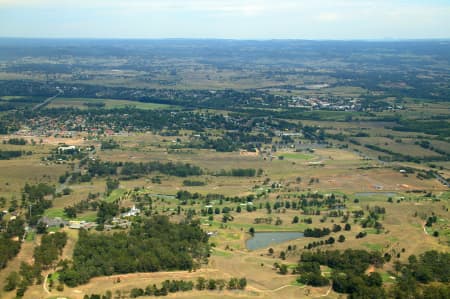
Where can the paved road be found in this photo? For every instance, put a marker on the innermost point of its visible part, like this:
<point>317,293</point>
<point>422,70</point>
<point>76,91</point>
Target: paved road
<point>47,101</point>
<point>441,179</point>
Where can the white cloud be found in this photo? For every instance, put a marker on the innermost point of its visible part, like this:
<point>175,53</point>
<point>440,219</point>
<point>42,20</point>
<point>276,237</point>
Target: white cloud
<point>328,17</point>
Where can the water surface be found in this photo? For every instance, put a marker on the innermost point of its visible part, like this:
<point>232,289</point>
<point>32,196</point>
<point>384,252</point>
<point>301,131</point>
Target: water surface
<point>264,239</point>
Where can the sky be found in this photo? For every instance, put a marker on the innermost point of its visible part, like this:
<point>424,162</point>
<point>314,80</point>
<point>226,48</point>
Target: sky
<point>231,19</point>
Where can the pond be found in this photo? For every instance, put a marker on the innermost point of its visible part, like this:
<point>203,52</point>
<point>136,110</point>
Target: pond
<point>263,240</point>
<point>364,194</point>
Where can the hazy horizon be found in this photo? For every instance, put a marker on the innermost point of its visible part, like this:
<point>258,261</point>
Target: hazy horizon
<point>227,19</point>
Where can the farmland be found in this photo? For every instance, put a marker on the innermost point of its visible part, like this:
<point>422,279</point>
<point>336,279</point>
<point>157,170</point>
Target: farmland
<point>217,152</point>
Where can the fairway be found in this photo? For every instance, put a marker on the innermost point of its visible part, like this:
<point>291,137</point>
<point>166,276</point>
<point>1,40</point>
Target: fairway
<point>82,103</point>
<point>296,156</point>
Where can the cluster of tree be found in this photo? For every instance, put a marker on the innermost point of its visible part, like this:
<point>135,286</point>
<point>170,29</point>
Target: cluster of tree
<point>426,175</point>
<point>152,245</point>
<point>372,219</point>
<point>240,172</point>
<point>431,127</point>
<point>133,170</point>
<point>193,183</point>
<point>27,275</point>
<point>161,121</point>
<point>174,286</point>
<point>168,286</point>
<point>231,141</point>
<point>318,201</point>
<point>44,256</point>
<point>9,248</point>
<point>16,141</point>
<point>394,156</point>
<point>6,155</point>
<point>361,235</point>
<point>348,271</point>
<point>106,211</point>
<point>94,104</point>
<point>218,284</point>
<point>111,185</point>
<point>316,232</point>
<point>100,168</point>
<point>426,276</point>
<point>90,203</point>
<point>75,177</point>
<point>67,155</point>
<point>183,196</point>
<point>431,220</point>
<point>109,144</point>
<point>34,198</point>
<point>431,266</point>
<point>329,241</point>
<point>310,274</point>
<point>51,247</point>
<point>8,123</point>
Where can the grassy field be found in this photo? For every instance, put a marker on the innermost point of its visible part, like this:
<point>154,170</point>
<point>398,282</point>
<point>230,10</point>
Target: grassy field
<point>327,170</point>
<point>109,103</point>
<point>296,156</point>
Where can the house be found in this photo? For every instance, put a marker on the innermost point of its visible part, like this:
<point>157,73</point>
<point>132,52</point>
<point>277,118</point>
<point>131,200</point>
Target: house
<point>82,224</point>
<point>133,212</point>
<point>118,223</point>
<point>54,222</point>
<point>64,149</point>
<point>75,224</point>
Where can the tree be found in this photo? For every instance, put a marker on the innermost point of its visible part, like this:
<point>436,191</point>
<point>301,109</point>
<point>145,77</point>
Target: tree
<point>251,231</point>
<point>242,283</point>
<point>106,211</point>
<point>136,292</point>
<point>374,280</point>
<point>295,220</point>
<point>111,185</point>
<point>283,269</point>
<point>341,239</point>
<point>11,281</point>
<point>70,212</point>
<point>41,228</point>
<point>211,284</point>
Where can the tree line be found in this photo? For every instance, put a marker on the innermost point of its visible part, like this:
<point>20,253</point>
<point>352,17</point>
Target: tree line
<point>151,245</point>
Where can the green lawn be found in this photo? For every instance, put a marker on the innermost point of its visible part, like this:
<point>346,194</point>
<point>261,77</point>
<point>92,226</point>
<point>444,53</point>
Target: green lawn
<point>30,236</point>
<point>55,212</point>
<point>90,216</point>
<point>373,246</point>
<point>11,98</point>
<point>115,194</point>
<point>53,229</point>
<point>221,253</point>
<point>109,103</point>
<point>297,284</point>
<point>387,278</point>
<point>297,156</point>
<point>262,227</point>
